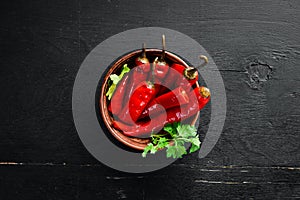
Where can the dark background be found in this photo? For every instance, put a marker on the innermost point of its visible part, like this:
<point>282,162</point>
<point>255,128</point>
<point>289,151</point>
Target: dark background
<point>256,46</point>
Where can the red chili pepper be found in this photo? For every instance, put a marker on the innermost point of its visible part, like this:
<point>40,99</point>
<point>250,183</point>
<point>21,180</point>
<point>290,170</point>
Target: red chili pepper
<point>175,114</point>
<point>141,129</point>
<point>116,102</point>
<point>188,76</point>
<point>203,96</point>
<point>154,125</point>
<point>142,61</point>
<point>138,75</point>
<point>161,68</point>
<point>178,114</point>
<point>138,102</point>
<point>178,75</point>
<point>168,100</point>
<point>172,77</point>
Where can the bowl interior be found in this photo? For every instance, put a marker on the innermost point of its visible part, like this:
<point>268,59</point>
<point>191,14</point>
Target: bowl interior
<point>115,68</point>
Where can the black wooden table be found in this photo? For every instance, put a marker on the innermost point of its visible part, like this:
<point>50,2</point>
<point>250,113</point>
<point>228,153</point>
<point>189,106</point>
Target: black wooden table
<point>256,46</point>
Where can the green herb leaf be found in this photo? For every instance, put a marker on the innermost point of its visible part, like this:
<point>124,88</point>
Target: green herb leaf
<point>172,128</point>
<point>110,91</point>
<point>187,131</point>
<point>195,141</point>
<point>176,151</point>
<point>125,70</point>
<point>162,143</point>
<point>153,150</point>
<point>169,129</point>
<point>147,149</point>
<point>180,134</point>
<point>194,148</point>
<point>154,140</point>
<point>116,79</point>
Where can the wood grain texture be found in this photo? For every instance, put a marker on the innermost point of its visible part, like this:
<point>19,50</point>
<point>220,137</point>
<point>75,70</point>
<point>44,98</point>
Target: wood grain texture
<point>43,45</point>
<point>53,181</point>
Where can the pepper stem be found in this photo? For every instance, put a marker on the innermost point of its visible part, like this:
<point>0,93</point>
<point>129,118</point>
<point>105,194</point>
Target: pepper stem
<point>153,69</point>
<point>163,53</point>
<point>204,92</point>
<point>202,57</point>
<point>144,50</point>
<point>191,72</point>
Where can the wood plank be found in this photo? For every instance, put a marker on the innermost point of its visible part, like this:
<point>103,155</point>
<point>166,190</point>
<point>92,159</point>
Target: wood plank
<point>175,182</point>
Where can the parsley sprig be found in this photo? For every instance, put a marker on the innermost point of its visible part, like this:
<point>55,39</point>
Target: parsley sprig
<point>174,141</point>
<point>115,80</point>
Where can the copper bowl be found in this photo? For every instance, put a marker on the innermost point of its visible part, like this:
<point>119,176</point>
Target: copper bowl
<point>135,143</point>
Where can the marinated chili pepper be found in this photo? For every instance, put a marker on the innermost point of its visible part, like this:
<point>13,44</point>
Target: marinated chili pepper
<point>190,73</point>
<point>202,95</point>
<point>161,66</point>
<point>116,102</point>
<point>179,75</point>
<point>124,115</point>
<point>140,99</point>
<point>139,74</point>
<point>142,60</point>
<point>168,100</point>
<point>141,130</point>
<point>154,125</point>
<point>187,77</point>
<point>138,102</point>
<point>175,114</point>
